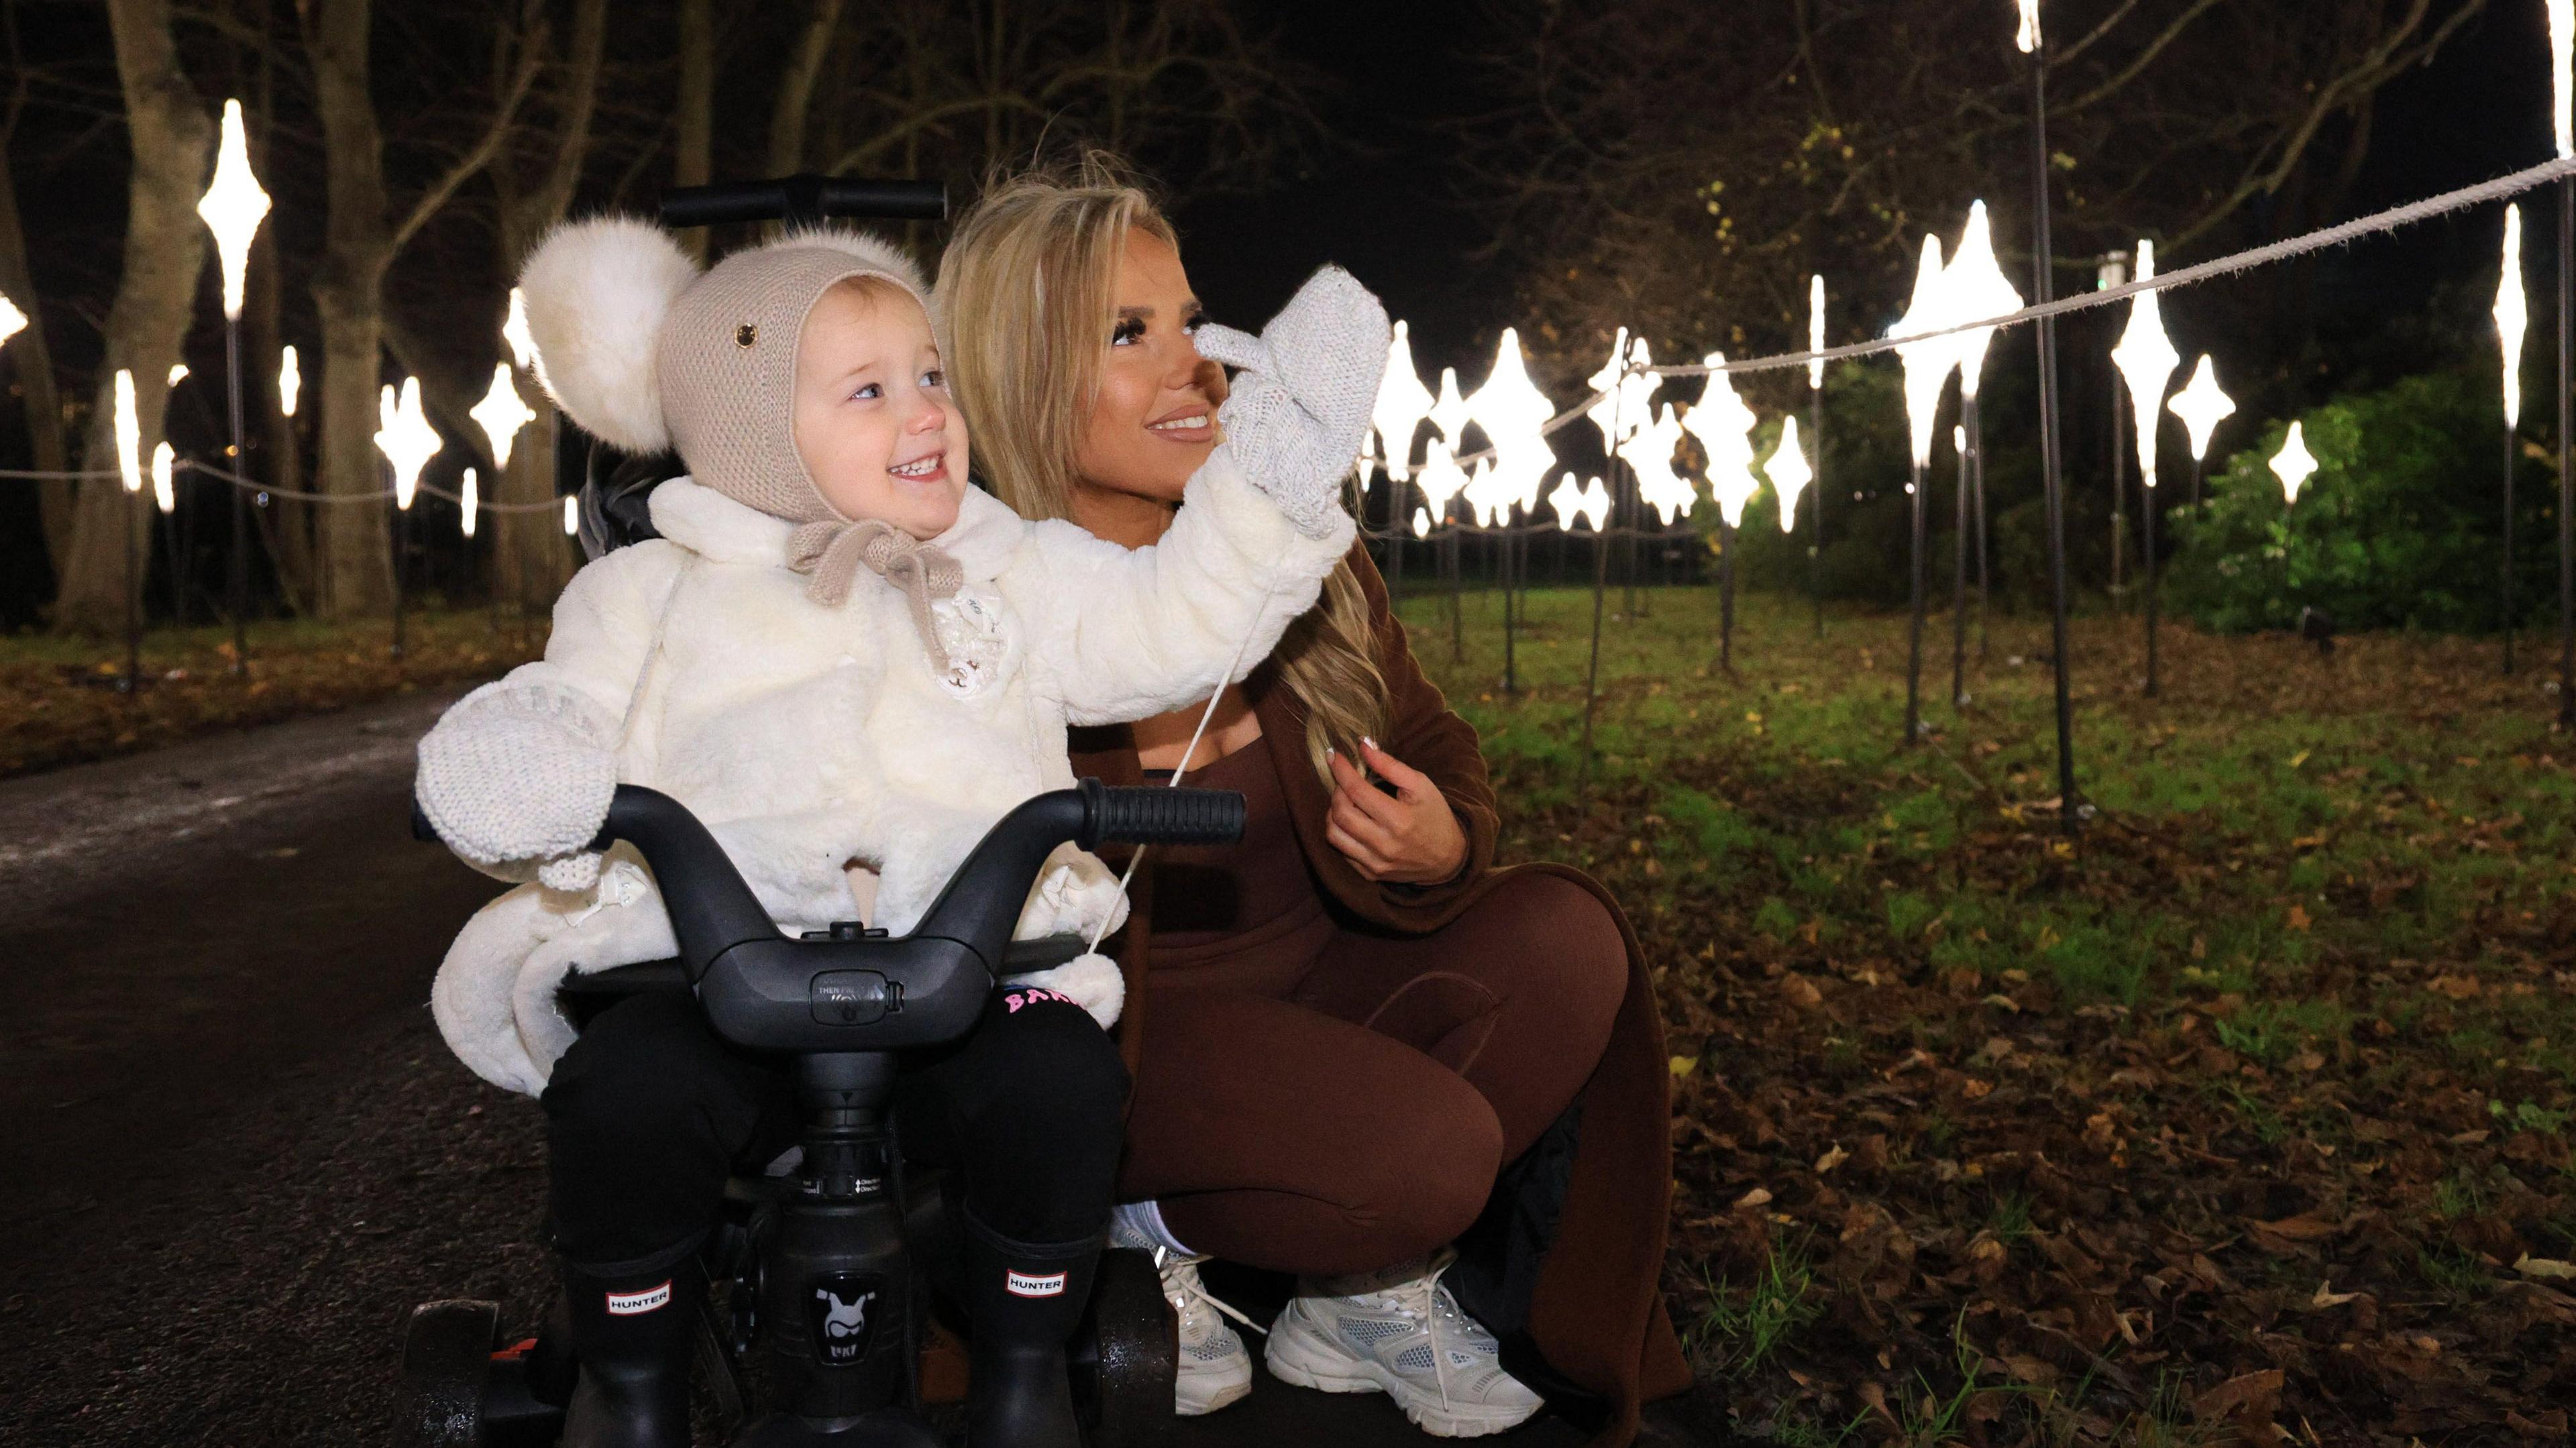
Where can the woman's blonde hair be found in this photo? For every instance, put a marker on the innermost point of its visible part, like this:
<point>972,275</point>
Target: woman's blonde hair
<point>1026,301</point>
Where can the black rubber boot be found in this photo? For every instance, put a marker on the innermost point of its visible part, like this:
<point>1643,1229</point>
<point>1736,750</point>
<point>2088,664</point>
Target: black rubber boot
<point>1024,1299</point>
<point>633,1333</point>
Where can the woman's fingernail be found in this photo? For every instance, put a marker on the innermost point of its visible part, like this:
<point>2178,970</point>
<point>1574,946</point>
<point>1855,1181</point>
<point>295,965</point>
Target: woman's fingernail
<point>1371,743</point>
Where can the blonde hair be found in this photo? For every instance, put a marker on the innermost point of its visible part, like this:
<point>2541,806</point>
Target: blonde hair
<point>1025,300</point>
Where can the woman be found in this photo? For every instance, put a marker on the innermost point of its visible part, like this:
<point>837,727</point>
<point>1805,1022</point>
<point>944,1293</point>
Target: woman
<point>1359,1043</point>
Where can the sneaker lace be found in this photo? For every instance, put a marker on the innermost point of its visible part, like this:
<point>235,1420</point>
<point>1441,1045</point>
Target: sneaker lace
<point>1181,1285</point>
<point>1425,1300</point>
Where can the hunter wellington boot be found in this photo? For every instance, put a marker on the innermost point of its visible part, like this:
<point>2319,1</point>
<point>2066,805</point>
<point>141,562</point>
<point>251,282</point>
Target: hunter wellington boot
<point>1025,1300</point>
<point>633,1332</point>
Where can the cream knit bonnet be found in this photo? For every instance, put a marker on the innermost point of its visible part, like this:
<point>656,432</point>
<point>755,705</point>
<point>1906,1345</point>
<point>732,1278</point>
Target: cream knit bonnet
<point>645,351</point>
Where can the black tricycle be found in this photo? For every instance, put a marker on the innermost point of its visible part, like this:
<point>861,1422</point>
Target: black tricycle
<point>833,1270</point>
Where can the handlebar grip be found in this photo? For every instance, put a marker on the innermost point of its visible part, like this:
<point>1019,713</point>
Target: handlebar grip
<point>1152,815</point>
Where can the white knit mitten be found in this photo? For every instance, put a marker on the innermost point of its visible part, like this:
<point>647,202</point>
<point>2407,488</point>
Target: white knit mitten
<point>521,774</point>
<point>1299,411</point>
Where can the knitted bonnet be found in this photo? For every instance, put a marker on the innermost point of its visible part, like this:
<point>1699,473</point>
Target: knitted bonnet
<point>647,352</point>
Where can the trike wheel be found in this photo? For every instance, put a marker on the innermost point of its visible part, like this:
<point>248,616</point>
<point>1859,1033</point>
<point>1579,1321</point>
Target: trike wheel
<point>447,1350</point>
<point>1135,1353</point>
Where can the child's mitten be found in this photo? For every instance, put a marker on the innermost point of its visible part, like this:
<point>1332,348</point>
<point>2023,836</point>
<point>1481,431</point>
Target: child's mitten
<point>518,775</point>
<point>1298,415</point>
<point>1092,982</point>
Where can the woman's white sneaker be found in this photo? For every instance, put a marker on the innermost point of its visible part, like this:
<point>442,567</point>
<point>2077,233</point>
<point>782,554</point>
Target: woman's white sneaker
<point>1400,1332</point>
<point>1215,1369</point>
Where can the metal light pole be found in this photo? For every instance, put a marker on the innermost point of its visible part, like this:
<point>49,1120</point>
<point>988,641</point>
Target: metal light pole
<point>129,463</point>
<point>2043,290</point>
<point>1816,425</point>
<point>1959,571</point>
<point>233,207</point>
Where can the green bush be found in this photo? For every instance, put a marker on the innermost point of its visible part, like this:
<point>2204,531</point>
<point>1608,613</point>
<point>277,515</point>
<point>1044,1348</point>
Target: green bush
<point>2401,527</point>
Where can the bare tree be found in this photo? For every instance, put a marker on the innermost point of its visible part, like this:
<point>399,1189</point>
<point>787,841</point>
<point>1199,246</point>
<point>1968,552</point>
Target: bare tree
<point>1682,167</point>
<point>364,234</point>
<point>172,137</point>
<point>29,351</point>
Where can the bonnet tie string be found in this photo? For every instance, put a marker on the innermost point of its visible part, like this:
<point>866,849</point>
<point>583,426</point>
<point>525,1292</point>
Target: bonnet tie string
<point>831,552</point>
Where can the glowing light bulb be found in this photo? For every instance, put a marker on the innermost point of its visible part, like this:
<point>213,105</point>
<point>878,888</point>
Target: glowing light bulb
<point>2512,315</point>
<point>1441,479</point>
<point>405,437</point>
<point>1928,362</point>
<point>12,321</point>
<point>1622,412</point>
<point>178,373</point>
<point>2146,359</point>
<point>501,414</point>
<point>1789,472</point>
<point>1402,403</point>
<point>1421,523</point>
<point>289,381</point>
<point>2027,37</point>
<point>514,330</point>
<point>1449,412</point>
<point>1660,485</point>
<point>164,496</point>
<point>468,499</point>
<point>2293,464</point>
<point>129,434</point>
<point>233,208</point>
<point>1724,427</point>
<point>1589,503</point>
<point>1978,289</point>
<point>2202,407</point>
<point>1816,330</point>
<point>572,516</point>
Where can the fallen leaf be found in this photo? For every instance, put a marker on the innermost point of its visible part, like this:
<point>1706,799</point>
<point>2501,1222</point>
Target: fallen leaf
<point>1684,1065</point>
<point>1831,1159</point>
<point>1759,1196</point>
<point>2530,1266</point>
<point>2325,1299</point>
<point>2297,919</point>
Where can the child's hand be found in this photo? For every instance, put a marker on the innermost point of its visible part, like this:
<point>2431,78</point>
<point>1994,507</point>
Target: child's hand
<point>1409,838</point>
<point>518,774</point>
<point>1298,416</point>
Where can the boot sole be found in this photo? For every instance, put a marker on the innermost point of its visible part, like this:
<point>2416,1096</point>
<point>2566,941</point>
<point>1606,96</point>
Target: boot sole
<point>1300,1356</point>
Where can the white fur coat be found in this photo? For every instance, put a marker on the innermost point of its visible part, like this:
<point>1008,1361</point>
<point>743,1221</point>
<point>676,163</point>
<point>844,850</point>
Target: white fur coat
<point>810,739</point>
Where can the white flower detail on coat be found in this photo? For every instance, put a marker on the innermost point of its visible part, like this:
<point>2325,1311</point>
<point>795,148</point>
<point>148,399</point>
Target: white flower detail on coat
<point>970,629</point>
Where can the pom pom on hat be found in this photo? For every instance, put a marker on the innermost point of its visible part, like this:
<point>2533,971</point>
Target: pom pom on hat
<point>597,293</point>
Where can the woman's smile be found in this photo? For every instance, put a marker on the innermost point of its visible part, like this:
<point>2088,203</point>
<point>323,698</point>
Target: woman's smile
<point>1192,424</point>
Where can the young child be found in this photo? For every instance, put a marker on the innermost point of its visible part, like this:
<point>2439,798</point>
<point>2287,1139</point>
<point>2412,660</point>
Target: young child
<point>849,664</point>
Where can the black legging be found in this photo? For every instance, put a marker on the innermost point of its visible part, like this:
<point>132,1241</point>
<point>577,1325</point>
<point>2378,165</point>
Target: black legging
<point>649,1113</point>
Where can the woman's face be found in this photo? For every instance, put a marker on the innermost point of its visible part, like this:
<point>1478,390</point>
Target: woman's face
<point>1154,418</point>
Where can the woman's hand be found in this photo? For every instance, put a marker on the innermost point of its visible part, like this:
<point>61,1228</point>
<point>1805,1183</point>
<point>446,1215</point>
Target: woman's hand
<point>1410,838</point>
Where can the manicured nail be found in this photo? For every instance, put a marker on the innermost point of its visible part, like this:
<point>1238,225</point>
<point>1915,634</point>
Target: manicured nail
<point>1371,743</point>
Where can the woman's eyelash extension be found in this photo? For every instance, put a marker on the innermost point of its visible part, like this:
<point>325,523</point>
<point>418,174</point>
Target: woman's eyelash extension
<point>1127,330</point>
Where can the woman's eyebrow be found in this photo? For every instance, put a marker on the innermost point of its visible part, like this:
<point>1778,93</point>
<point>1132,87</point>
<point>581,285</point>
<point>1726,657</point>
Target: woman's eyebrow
<point>1143,314</point>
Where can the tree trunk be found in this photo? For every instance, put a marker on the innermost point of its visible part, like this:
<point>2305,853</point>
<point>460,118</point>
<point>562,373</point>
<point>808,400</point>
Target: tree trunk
<point>356,573</point>
<point>172,139</point>
<point>693,152</point>
<point>33,366</point>
<point>796,88</point>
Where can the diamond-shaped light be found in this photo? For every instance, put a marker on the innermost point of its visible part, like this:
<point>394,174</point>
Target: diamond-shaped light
<point>1661,486</point>
<point>1511,410</point>
<point>1421,523</point>
<point>405,437</point>
<point>1402,403</point>
<point>2202,406</point>
<point>2027,37</point>
<point>2146,359</point>
<point>501,414</point>
<point>164,496</point>
<point>468,499</point>
<point>1591,503</point>
<point>1622,412</point>
<point>289,381</point>
<point>572,515</point>
<point>2512,315</point>
<point>1816,330</point>
<point>514,330</point>
<point>12,321</point>
<point>1724,427</point>
<point>1978,289</point>
<point>1440,480</point>
<point>233,208</point>
<point>2293,464</point>
<point>1928,362</point>
<point>1789,472</point>
<point>129,434</point>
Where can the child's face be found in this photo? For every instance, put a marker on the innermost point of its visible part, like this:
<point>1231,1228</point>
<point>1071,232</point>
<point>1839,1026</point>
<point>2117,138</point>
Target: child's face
<point>874,422</point>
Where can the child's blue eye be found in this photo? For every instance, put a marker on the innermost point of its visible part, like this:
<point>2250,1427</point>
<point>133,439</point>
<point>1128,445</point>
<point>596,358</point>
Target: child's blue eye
<point>934,378</point>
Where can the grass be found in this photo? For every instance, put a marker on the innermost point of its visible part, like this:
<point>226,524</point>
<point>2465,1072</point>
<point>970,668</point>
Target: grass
<point>2304,965</point>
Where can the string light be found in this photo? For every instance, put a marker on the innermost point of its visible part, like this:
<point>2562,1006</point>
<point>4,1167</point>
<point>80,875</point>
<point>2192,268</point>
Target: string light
<point>1402,403</point>
<point>178,373</point>
<point>1590,503</point>
<point>12,321</point>
<point>501,414</point>
<point>1625,388</point>
<point>1421,523</point>
<point>129,433</point>
<point>572,516</point>
<point>289,381</point>
<point>1511,410</point>
<point>2146,359</point>
<point>2512,316</point>
<point>1441,479</point>
<point>1789,472</point>
<point>1724,427</point>
<point>2027,37</point>
<point>406,439</point>
<point>2293,465</point>
<point>164,461</point>
<point>233,208</point>
<point>1660,485</point>
<point>468,499</point>
<point>2202,407</point>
